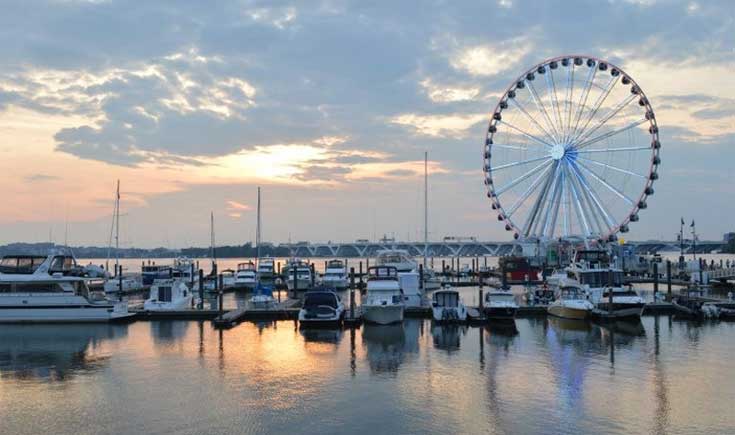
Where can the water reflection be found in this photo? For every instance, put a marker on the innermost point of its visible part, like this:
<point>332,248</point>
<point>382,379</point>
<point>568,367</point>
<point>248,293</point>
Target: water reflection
<point>321,335</point>
<point>167,332</point>
<point>447,337</point>
<point>53,353</point>
<point>385,346</point>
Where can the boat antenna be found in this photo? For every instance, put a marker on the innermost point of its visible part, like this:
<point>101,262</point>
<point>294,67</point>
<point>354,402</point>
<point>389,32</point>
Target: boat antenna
<point>426,205</point>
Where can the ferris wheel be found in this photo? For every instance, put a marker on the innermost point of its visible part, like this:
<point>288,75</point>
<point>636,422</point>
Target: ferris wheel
<point>572,149</point>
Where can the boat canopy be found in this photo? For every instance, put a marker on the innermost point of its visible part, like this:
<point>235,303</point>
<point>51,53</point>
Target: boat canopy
<point>21,264</point>
<point>446,298</point>
<point>315,299</point>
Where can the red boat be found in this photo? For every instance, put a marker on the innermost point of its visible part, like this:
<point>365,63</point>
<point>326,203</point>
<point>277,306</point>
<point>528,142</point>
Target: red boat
<point>518,270</point>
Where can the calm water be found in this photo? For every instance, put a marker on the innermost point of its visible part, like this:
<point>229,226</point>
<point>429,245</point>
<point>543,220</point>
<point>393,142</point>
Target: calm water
<point>547,376</point>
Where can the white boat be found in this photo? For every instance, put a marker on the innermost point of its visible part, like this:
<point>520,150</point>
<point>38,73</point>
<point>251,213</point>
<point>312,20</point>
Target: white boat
<point>168,295</point>
<point>431,280</point>
<point>262,297</point>
<point>184,270</point>
<point>266,269</point>
<point>335,275</point>
<point>40,297</point>
<point>152,272</point>
<point>128,284</point>
<point>500,304</point>
<point>303,277</point>
<point>228,278</point>
<point>448,307</point>
<point>571,302</point>
<point>246,276</point>
<point>384,300</point>
<point>408,276</point>
<point>592,270</point>
<point>321,307</point>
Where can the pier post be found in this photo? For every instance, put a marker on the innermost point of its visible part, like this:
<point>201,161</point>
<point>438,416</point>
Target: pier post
<point>444,267</point>
<point>201,289</point>
<point>278,268</point>
<point>221,282</point>
<point>220,303</point>
<point>367,263</point>
<point>360,269</point>
<point>295,281</point>
<point>481,303</point>
<point>313,275</point>
<point>484,257</point>
<point>421,276</point>
<point>610,291</point>
<point>191,275</point>
<point>701,271</point>
<point>197,264</point>
<point>668,278</point>
<point>352,292</point>
<point>325,266</point>
<point>655,280</point>
<point>120,285</point>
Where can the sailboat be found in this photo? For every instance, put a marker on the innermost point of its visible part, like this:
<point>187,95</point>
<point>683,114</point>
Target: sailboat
<point>263,294</point>
<point>431,281</point>
<point>117,282</point>
<point>210,281</point>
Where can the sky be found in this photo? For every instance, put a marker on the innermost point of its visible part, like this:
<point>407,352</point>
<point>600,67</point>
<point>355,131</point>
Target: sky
<point>329,106</point>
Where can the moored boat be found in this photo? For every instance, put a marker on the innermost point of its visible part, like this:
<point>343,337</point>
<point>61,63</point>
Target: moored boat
<point>571,303</point>
<point>246,276</point>
<point>321,307</point>
<point>169,295</point>
<point>500,304</point>
<point>384,302</point>
<point>447,307</point>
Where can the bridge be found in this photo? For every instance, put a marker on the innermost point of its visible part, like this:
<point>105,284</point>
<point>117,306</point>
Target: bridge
<point>464,248</point>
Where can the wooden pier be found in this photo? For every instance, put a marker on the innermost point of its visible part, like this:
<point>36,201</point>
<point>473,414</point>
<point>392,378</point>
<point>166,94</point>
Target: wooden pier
<point>287,310</point>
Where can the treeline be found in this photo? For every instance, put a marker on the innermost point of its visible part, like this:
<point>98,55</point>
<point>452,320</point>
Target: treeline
<point>236,251</point>
<point>246,250</point>
<point>730,247</point>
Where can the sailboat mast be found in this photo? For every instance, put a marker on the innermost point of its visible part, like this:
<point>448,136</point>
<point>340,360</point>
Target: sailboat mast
<point>426,205</point>
<point>257,229</point>
<point>117,227</point>
<point>211,236</point>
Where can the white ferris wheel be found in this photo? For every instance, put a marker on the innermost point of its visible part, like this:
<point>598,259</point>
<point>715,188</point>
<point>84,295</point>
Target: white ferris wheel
<point>572,150</point>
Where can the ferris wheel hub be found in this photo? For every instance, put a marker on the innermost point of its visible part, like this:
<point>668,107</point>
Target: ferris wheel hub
<point>558,151</point>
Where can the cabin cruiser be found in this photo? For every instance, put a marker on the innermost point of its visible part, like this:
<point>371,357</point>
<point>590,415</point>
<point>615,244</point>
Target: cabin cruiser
<point>184,270</point>
<point>228,278</point>
<point>54,264</point>
<point>408,277</point>
<point>447,306</point>
<point>335,275</point>
<point>321,307</point>
<point>303,277</point>
<point>246,276</point>
<point>43,297</point>
<point>169,295</point>
<point>572,302</point>
<point>262,297</point>
<point>266,269</point>
<point>500,304</point>
<point>384,300</point>
<point>593,272</point>
<point>152,272</point>
<point>431,280</point>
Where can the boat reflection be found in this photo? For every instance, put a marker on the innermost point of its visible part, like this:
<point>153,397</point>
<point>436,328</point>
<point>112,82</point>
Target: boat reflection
<point>321,335</point>
<point>388,346</point>
<point>447,337</point>
<point>501,334</point>
<point>51,353</point>
<point>168,331</point>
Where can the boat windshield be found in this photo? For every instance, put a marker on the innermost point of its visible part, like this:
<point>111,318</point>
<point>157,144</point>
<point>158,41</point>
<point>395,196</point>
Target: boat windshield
<point>600,278</point>
<point>571,293</point>
<point>22,264</point>
<point>382,273</point>
<point>320,298</point>
<point>446,299</point>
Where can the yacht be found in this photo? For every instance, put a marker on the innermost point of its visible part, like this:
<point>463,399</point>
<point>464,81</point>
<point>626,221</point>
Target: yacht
<point>431,280</point>
<point>266,269</point>
<point>42,297</point>
<point>593,271</point>
<point>321,307</point>
<point>169,295</point>
<point>228,278</point>
<point>262,297</point>
<point>384,301</point>
<point>127,283</point>
<point>408,277</point>
<point>335,275</point>
<point>500,304</point>
<point>246,276</point>
<point>184,270</point>
<point>447,306</point>
<point>152,272</point>
<point>572,302</point>
<point>303,277</point>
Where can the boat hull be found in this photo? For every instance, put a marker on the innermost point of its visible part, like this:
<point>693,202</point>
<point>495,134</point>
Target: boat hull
<point>565,312</point>
<point>500,313</point>
<point>449,315</point>
<point>383,314</point>
<point>49,314</point>
<point>303,284</point>
<point>178,305</point>
<point>622,310</point>
<point>306,320</point>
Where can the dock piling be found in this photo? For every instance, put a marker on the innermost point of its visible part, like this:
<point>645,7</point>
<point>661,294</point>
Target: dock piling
<point>421,276</point>
<point>201,289</point>
<point>313,275</point>
<point>668,279</point>
<point>352,292</point>
<point>655,280</point>
<point>610,291</point>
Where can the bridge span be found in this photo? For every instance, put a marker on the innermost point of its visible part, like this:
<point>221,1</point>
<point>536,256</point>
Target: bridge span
<point>465,248</point>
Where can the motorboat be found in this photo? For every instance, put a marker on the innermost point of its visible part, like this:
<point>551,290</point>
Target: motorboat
<point>184,270</point>
<point>246,276</point>
<point>40,297</point>
<point>126,283</point>
<point>499,304</point>
<point>53,264</point>
<point>572,301</point>
<point>262,297</point>
<point>321,307</point>
<point>691,304</point>
<point>408,275</point>
<point>431,280</point>
<point>384,300</point>
<point>152,272</point>
<point>169,295</point>
<point>538,294</point>
<point>298,275</point>
<point>266,270</point>
<point>335,275</point>
<point>626,303</point>
<point>447,306</point>
<point>228,278</point>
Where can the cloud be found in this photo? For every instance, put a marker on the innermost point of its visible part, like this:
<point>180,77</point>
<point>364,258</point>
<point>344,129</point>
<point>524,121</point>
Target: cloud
<point>456,125</point>
<point>234,205</point>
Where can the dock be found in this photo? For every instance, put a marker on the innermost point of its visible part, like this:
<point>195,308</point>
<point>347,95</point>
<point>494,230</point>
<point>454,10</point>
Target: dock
<point>287,310</point>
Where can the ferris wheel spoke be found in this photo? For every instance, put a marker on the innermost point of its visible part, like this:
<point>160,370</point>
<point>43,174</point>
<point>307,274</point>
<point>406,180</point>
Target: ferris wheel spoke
<point>614,111</point>
<point>590,209</point>
<point>565,209</point>
<point>542,108</point>
<point>610,134</point>
<point>557,203</point>
<point>591,191</point>
<point>532,217</point>
<point>550,203</point>
<point>510,147</point>
<point>551,86</point>
<point>613,150</point>
<point>527,194</point>
<point>614,168</point>
<point>570,97</point>
<point>523,162</point>
<point>605,183</point>
<point>526,134</point>
<point>532,119</point>
<point>521,178</point>
<point>582,101</point>
<point>579,210</point>
<point>597,104</point>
